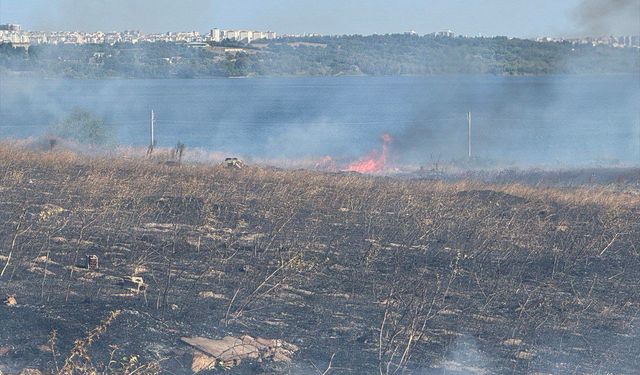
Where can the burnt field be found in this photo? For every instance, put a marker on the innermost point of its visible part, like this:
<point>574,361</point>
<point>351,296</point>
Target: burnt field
<point>357,274</point>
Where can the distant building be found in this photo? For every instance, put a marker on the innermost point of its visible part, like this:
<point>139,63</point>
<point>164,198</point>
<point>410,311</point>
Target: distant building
<point>216,35</point>
<point>248,36</point>
<point>629,41</point>
<point>445,34</point>
<point>11,33</point>
<point>10,27</point>
<point>231,35</point>
<point>197,45</point>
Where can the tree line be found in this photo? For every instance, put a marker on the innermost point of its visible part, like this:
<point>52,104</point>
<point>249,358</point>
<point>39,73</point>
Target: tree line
<point>396,54</point>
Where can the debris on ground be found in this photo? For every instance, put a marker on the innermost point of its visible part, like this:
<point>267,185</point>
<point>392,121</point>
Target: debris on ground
<point>134,283</point>
<point>523,354</point>
<point>204,362</point>
<point>512,342</point>
<point>233,163</point>
<point>11,300</point>
<point>229,351</point>
<point>30,371</point>
<point>171,163</point>
<point>211,295</point>
<point>92,262</point>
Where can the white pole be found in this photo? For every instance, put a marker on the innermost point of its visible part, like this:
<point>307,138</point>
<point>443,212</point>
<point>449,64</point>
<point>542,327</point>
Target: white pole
<point>469,133</point>
<point>153,119</point>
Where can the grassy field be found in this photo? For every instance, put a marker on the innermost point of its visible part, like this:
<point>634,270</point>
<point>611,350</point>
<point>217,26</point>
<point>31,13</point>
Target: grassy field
<point>365,275</point>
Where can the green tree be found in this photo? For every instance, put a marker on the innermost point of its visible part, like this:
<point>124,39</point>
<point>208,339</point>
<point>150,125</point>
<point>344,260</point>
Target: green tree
<point>84,127</point>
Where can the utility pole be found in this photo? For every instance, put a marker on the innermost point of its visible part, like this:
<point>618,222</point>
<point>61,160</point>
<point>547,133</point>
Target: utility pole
<point>152,141</point>
<point>469,133</point>
<point>153,121</point>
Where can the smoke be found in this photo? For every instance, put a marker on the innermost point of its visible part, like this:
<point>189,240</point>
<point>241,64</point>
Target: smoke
<point>525,121</point>
<point>609,17</point>
<point>463,357</point>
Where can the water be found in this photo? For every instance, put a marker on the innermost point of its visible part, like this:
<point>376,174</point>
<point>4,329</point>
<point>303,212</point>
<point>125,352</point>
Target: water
<point>524,121</point>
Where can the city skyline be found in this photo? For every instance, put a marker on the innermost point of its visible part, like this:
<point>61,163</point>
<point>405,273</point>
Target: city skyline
<point>15,35</point>
<point>517,18</point>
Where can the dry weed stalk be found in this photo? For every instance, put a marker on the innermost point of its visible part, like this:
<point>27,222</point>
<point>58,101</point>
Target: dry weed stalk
<point>78,359</point>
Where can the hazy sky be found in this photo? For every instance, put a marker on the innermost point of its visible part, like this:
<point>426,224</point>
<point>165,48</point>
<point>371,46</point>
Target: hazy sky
<point>523,18</point>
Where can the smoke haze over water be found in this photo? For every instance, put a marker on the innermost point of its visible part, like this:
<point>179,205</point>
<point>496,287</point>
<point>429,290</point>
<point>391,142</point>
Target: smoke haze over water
<point>517,121</point>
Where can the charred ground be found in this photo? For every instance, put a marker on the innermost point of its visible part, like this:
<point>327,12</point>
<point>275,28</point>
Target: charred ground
<point>383,275</point>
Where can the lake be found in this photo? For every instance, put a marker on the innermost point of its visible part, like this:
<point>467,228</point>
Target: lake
<point>522,121</point>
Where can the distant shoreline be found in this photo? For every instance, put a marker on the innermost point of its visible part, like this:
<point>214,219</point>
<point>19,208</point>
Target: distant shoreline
<point>22,74</point>
<point>394,55</point>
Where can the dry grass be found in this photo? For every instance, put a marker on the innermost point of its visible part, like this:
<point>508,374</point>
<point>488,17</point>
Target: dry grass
<point>400,270</point>
<point>105,171</point>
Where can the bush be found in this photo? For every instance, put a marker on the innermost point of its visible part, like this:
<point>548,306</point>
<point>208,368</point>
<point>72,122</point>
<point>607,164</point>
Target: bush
<point>84,127</point>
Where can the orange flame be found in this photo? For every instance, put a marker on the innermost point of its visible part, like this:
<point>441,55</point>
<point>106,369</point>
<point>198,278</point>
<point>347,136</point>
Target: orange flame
<point>373,163</point>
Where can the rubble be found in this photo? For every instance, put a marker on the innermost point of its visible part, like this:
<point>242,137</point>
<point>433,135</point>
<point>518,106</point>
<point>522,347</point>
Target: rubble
<point>134,283</point>
<point>229,351</point>
<point>203,362</point>
<point>525,355</point>
<point>234,163</point>
<point>512,342</point>
<point>211,295</point>
<point>30,371</point>
<point>92,262</point>
<point>11,300</point>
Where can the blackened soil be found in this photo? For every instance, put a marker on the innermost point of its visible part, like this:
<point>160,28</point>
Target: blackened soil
<point>379,274</point>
